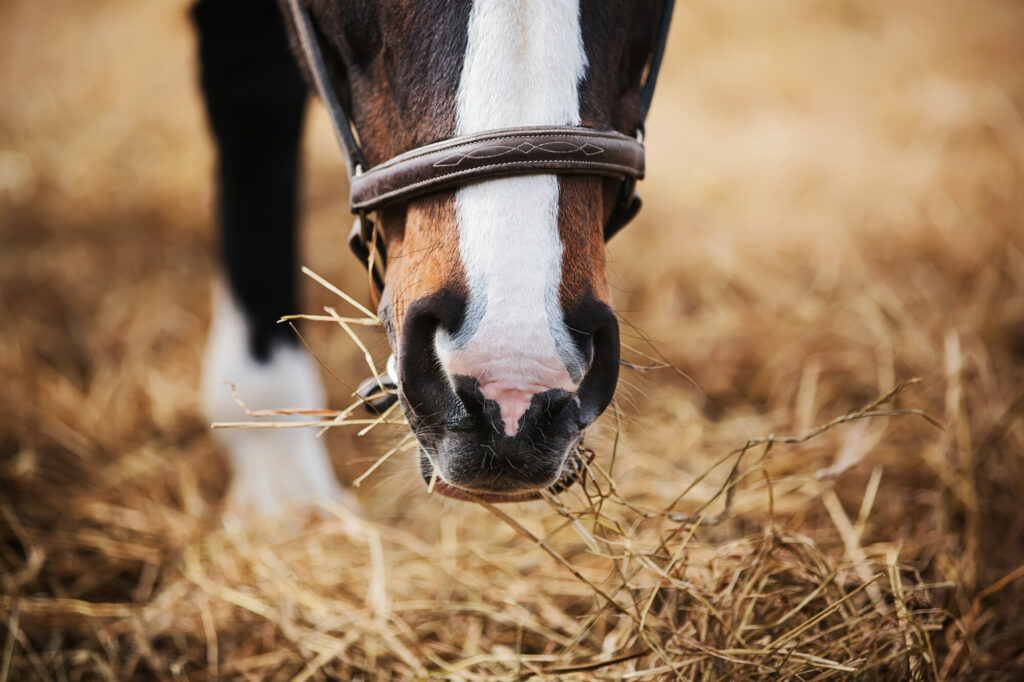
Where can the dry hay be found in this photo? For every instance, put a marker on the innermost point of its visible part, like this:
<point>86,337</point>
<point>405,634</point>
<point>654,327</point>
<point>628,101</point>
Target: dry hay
<point>848,181</point>
<point>604,586</point>
<point>860,547</point>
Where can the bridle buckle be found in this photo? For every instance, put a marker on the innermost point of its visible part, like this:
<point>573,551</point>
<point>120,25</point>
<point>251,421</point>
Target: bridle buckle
<point>368,245</point>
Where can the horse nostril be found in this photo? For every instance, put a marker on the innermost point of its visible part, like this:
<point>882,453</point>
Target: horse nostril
<point>549,405</point>
<point>602,349</point>
<point>468,390</point>
<point>429,399</point>
<point>502,413</point>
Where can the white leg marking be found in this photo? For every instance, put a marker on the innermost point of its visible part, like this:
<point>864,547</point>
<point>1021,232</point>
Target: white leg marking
<point>524,61</point>
<point>274,469</point>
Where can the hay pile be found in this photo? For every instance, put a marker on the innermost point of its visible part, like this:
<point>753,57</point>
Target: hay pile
<point>848,183</point>
<point>599,584</point>
<point>622,577</point>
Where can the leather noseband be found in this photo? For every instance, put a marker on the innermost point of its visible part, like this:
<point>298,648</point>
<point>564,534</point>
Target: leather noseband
<point>494,154</point>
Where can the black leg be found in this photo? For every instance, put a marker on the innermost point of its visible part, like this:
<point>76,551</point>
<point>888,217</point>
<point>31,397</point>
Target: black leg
<point>255,100</point>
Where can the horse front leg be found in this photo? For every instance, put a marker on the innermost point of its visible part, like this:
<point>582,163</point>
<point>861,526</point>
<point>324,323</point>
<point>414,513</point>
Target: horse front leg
<point>255,101</point>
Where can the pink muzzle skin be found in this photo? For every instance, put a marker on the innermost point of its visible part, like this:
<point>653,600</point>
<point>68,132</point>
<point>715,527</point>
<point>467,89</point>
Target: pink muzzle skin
<point>512,402</point>
<point>509,381</point>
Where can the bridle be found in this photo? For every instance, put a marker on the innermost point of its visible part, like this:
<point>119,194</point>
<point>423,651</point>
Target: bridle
<point>484,156</point>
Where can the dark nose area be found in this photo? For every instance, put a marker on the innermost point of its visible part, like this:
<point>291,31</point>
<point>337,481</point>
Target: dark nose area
<point>595,330</point>
<point>477,454</point>
<point>462,432</point>
<point>428,400</point>
<point>544,407</point>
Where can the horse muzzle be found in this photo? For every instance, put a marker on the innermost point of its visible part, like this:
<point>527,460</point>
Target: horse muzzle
<point>469,448</point>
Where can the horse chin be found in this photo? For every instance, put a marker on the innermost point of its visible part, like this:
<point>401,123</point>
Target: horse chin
<point>571,471</point>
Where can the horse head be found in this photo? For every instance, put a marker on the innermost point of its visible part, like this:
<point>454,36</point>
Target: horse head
<point>495,296</point>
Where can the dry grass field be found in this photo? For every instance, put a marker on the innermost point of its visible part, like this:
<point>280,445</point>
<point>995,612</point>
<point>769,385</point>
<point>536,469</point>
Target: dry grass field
<point>834,207</point>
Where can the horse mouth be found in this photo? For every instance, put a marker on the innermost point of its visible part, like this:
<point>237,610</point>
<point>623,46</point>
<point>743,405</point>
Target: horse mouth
<point>572,471</point>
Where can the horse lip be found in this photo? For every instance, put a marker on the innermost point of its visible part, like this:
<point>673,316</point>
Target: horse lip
<point>570,475</point>
<point>450,491</point>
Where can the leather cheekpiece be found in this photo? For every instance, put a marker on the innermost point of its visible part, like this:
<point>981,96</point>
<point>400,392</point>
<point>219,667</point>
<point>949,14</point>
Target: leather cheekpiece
<point>497,153</point>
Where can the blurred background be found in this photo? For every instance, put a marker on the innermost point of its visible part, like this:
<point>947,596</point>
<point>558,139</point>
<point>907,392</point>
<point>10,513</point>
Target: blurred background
<point>834,204</point>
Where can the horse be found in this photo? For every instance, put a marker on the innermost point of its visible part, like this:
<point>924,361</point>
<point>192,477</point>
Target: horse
<point>493,146</point>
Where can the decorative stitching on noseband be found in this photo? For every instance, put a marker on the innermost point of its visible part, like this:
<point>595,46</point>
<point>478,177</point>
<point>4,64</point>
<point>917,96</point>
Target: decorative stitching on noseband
<point>470,140</point>
<point>411,188</point>
<point>437,166</point>
<point>524,148</point>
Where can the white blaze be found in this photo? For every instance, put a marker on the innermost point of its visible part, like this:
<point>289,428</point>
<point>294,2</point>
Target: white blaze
<point>523,64</point>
